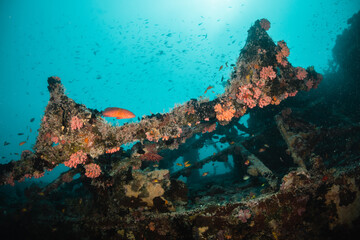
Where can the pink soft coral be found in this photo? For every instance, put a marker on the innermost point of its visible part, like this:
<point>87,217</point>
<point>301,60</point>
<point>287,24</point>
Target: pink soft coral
<point>209,128</point>
<point>267,72</point>
<point>76,123</point>
<point>249,94</point>
<point>301,73</point>
<point>264,101</point>
<point>92,170</point>
<point>265,24</point>
<point>283,53</point>
<point>309,84</point>
<point>151,156</point>
<point>76,158</point>
<point>244,215</point>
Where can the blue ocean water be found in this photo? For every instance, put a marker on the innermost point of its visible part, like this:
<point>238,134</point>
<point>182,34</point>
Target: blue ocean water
<point>143,55</point>
<point>286,170</point>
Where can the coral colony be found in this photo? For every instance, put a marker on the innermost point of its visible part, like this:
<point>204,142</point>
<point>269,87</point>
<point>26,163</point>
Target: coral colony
<point>280,185</point>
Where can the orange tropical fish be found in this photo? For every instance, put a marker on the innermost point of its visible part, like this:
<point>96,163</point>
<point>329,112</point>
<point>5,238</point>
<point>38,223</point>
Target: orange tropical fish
<point>187,165</point>
<point>262,150</point>
<point>179,164</point>
<point>205,173</point>
<point>208,88</point>
<point>221,67</point>
<point>247,162</point>
<point>119,113</point>
<point>22,143</point>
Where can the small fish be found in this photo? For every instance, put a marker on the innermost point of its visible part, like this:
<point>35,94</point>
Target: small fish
<point>22,143</point>
<point>221,67</point>
<point>325,178</point>
<point>179,164</point>
<point>119,113</point>
<point>266,145</point>
<point>208,88</point>
<point>32,119</point>
<point>246,177</point>
<point>20,134</point>
<point>41,193</point>
<point>6,143</point>
<point>247,162</point>
<point>187,165</point>
<point>155,180</point>
<point>226,64</point>
<point>205,173</point>
<point>186,162</point>
<point>156,165</point>
<point>262,150</point>
<point>275,235</point>
<point>24,210</point>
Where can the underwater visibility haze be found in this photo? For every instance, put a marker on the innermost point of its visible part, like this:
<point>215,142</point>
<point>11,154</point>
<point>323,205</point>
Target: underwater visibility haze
<point>202,119</point>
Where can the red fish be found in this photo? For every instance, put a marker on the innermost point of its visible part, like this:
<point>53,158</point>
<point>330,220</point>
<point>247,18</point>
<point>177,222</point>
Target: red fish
<point>325,178</point>
<point>119,113</point>
<point>221,67</point>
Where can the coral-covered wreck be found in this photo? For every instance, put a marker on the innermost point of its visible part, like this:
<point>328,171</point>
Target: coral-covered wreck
<point>304,182</point>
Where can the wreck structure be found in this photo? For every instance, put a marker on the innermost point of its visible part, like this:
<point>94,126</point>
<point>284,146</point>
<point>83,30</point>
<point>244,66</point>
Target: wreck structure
<point>303,183</point>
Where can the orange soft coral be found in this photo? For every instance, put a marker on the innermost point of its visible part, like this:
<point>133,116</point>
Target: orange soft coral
<point>224,112</point>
